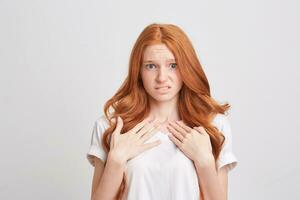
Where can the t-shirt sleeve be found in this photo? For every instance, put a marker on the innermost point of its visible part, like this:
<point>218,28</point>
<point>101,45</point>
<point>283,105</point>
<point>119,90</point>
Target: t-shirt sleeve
<point>227,157</point>
<point>96,149</point>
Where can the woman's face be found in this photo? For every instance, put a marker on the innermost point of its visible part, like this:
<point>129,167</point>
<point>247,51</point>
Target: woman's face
<point>160,74</point>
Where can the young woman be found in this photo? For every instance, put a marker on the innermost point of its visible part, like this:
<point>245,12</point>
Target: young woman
<point>162,136</point>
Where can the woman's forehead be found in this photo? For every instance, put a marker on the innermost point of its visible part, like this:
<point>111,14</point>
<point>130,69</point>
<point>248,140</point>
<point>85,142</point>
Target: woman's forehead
<point>157,52</point>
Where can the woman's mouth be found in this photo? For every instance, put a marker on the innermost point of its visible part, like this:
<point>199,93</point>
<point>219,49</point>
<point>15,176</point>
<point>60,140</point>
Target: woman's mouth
<point>163,89</point>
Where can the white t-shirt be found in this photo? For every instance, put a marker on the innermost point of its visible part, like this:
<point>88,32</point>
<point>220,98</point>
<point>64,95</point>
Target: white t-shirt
<point>163,172</point>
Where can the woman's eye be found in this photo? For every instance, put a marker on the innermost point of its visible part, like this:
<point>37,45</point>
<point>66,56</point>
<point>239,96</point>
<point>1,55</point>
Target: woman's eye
<point>150,66</point>
<point>174,65</point>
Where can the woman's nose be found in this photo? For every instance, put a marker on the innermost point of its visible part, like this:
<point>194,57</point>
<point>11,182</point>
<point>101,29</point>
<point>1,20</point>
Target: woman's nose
<point>162,75</point>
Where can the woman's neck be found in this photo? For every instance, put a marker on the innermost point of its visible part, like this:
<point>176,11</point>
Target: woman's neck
<point>167,110</point>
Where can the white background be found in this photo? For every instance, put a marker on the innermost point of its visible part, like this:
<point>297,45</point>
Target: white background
<point>61,60</point>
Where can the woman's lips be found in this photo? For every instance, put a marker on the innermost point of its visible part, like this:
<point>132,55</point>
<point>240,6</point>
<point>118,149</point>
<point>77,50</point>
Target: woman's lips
<point>163,89</point>
<point>166,86</point>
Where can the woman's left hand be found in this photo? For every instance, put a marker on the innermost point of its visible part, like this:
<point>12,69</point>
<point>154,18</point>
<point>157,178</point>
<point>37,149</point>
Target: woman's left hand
<point>193,142</point>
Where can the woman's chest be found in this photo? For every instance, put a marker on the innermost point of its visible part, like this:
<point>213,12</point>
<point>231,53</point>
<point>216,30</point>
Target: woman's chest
<point>160,160</point>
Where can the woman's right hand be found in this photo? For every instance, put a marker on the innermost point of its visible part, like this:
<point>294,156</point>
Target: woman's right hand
<point>127,145</point>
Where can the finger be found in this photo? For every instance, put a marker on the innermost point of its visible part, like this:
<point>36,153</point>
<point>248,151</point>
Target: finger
<point>150,145</point>
<point>112,140</point>
<point>148,127</point>
<point>119,126</point>
<point>175,133</point>
<point>200,129</point>
<point>175,140</point>
<point>151,133</point>
<point>178,128</point>
<point>184,126</point>
<point>140,125</point>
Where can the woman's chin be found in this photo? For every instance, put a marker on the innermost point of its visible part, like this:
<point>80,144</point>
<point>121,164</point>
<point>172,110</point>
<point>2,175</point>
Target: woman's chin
<point>163,98</point>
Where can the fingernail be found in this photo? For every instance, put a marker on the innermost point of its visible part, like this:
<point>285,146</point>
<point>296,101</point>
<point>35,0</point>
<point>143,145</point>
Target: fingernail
<point>157,125</point>
<point>152,119</point>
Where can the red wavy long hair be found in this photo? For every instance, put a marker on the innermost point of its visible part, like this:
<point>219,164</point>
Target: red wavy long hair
<point>196,106</point>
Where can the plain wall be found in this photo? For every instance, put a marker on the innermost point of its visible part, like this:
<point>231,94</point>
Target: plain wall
<point>61,60</point>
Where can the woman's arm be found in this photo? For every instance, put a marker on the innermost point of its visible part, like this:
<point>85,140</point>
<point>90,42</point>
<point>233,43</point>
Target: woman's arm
<point>122,148</point>
<point>106,182</point>
<point>98,171</point>
<point>213,184</point>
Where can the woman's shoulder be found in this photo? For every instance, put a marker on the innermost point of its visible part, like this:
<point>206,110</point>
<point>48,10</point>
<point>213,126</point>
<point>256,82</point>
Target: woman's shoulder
<point>102,121</point>
<point>220,120</point>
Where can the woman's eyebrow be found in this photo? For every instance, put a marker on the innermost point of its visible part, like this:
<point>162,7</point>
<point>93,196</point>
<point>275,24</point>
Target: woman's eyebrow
<point>169,60</point>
